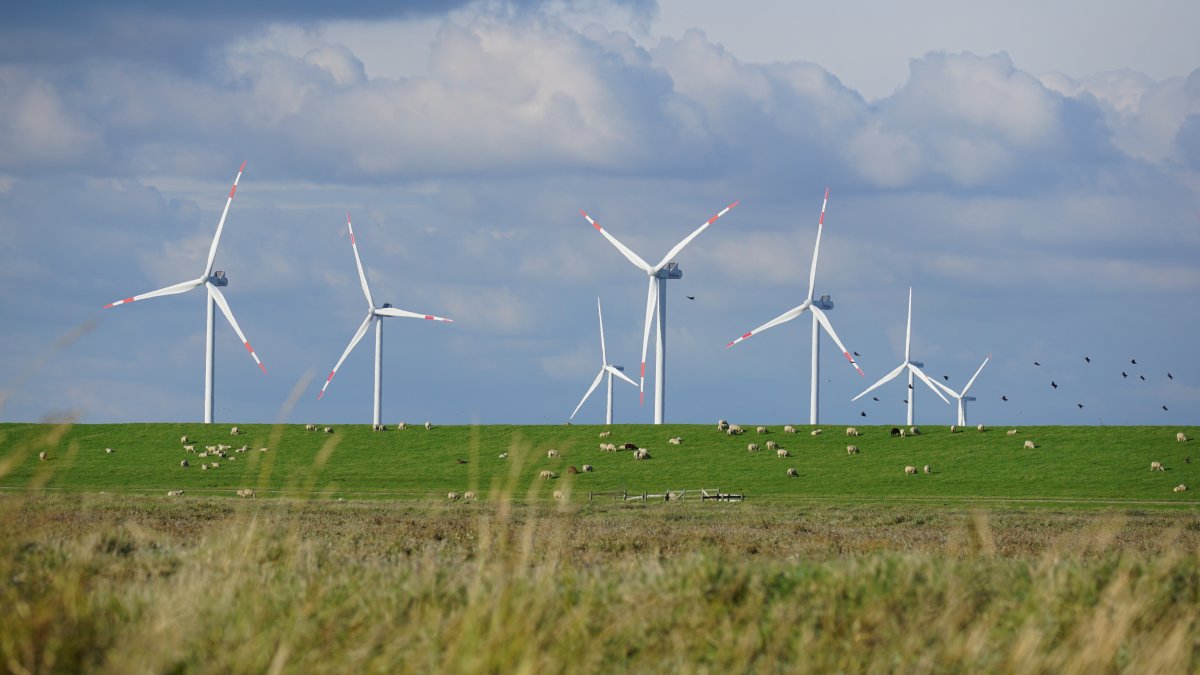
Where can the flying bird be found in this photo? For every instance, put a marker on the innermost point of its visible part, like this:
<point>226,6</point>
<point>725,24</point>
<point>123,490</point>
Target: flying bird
<point>875,398</point>
<point>1143,377</point>
<point>906,400</point>
<point>862,413</point>
<point>946,378</point>
<point>1133,361</point>
<point>1053,384</point>
<point>1123,374</point>
<point>857,354</point>
<point>1164,407</point>
<point>1088,359</point>
<point>691,297</point>
<point>1170,376</point>
<point>1004,398</point>
<point>1036,363</point>
<point>1080,405</point>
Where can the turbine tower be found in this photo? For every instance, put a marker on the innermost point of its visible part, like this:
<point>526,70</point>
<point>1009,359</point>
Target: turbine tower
<point>963,398</point>
<point>374,315</point>
<point>816,307</point>
<point>656,296</point>
<point>913,367</point>
<point>212,281</point>
<point>605,367</point>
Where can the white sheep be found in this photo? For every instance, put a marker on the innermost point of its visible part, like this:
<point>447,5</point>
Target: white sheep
<point>184,464</point>
<point>547,475</point>
<point>1156,466</point>
<point>243,448</point>
<point>781,452</point>
<point>310,427</point>
<point>761,430</point>
<point>452,496</point>
<point>559,496</point>
<point>851,449</point>
<point>210,448</point>
<point>606,433</point>
<point>246,492</point>
<point>504,455</point>
<point>329,430</point>
<point>792,473</point>
<point>221,447</point>
<point>428,426</point>
<point>379,427</point>
<point>588,468</point>
<point>722,425</point>
<point>772,445</point>
<point>175,493</point>
<point>677,440</point>
<point>1181,437</point>
<point>1011,432</point>
<point>216,465</point>
<point>189,448</point>
<point>204,454</point>
<point>109,451</point>
<point>752,447</point>
<point>264,449</point>
<point>1180,488</point>
<point>235,431</point>
<point>980,427</point>
<point>204,467</point>
<point>641,453</point>
<point>815,432</point>
<point>551,453</point>
<point>954,428</point>
<point>1029,445</point>
<point>926,469</point>
<point>184,439</point>
<point>851,431</point>
<point>915,431</point>
<point>402,426</point>
<point>469,496</point>
<point>789,429</point>
<point>910,470</point>
<point>734,430</point>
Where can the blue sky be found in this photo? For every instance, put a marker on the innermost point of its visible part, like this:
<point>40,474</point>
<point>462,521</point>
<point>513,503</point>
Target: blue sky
<point>1032,172</point>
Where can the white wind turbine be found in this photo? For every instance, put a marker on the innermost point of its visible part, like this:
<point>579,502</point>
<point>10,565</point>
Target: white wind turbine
<point>374,315</point>
<point>212,281</point>
<point>815,307</point>
<point>605,367</point>
<point>913,367</point>
<point>963,398</point>
<point>657,295</point>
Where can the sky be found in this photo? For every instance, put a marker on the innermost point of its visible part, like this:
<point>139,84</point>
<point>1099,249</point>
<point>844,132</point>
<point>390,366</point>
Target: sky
<point>1030,169</point>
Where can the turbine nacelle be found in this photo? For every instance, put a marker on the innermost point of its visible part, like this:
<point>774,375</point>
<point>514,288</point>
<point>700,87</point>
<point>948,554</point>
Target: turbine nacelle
<point>218,278</point>
<point>823,302</point>
<point>669,271</point>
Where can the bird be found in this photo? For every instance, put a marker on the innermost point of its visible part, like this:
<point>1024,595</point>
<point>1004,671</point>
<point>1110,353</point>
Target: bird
<point>1123,374</point>
<point>1170,376</point>
<point>910,386</point>
<point>1036,363</point>
<point>1004,398</point>
<point>1143,377</point>
<point>875,398</point>
<point>1080,405</point>
<point>461,461</point>
<point>862,413</point>
<point>946,378</point>
<point>1164,407</point>
<point>857,354</point>
<point>1088,359</point>
<point>1133,361</point>
<point>1053,384</point>
<point>691,297</point>
<point>906,400</point>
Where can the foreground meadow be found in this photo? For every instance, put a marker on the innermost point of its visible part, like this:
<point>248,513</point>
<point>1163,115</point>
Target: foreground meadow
<point>129,584</point>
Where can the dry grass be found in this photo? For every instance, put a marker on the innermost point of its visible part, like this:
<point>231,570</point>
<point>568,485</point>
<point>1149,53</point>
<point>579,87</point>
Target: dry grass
<point>98,583</point>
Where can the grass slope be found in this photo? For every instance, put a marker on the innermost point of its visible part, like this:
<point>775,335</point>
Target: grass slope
<point>1070,463</point>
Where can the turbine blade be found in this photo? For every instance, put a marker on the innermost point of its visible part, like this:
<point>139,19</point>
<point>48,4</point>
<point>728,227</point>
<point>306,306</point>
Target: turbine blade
<point>782,318</point>
<point>358,335</point>
<point>619,374</point>
<point>181,287</point>
<point>603,352</point>
<point>829,329</point>
<point>972,380</point>
<point>625,250</point>
<point>595,383</point>
<point>928,382</point>
<point>688,239</point>
<point>220,298</point>
<point>812,272</point>
<point>948,390</point>
<point>212,250</point>
<point>651,303</point>
<point>362,276</point>
<point>392,311</point>
<point>883,380</point>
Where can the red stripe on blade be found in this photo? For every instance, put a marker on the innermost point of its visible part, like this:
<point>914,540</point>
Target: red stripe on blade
<point>643,370</point>
<point>747,335</point>
<point>242,167</point>
<point>352,241</point>
<point>263,368</point>
<point>232,190</point>
<point>331,374</point>
<point>731,344</point>
<point>429,318</point>
<point>248,347</point>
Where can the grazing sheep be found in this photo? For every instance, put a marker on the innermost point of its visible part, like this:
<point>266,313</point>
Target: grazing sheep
<point>264,449</point>
<point>915,431</point>
<point>572,470</point>
<point>452,496</point>
<point>233,459</point>
<point>379,427</point>
<point>1180,488</point>
<point>428,426</point>
<point>246,493</point>
<point>551,453</point>
<point>1181,437</point>
<point>772,445</point>
<point>235,431</point>
<point>1156,466</point>
<point>1011,432</point>
<point>851,431</point>
<point>210,448</point>
<point>203,454</point>
<point>980,427</point>
<point>1029,445</point>
<point>189,448</point>
<point>910,470</point>
<point>851,449</point>
<point>752,447</point>
<point>678,440</point>
<point>789,429</point>
<point>243,448</point>
<point>781,452</point>
<point>204,467</point>
<point>559,496</point>
<point>184,464</point>
<point>926,469</point>
<point>184,439</point>
<point>329,430</point>
<point>310,427</point>
<point>469,496</point>
<point>815,432</point>
<point>215,465</point>
<point>504,455</point>
<point>108,451</point>
<point>547,475</point>
<point>641,453</point>
<point>734,430</point>
<point>175,493</point>
<point>606,433</point>
<point>402,426</point>
<point>761,430</point>
<point>903,432</point>
<point>722,425</point>
<point>954,428</point>
<point>588,468</point>
<point>895,432</point>
<point>792,473</point>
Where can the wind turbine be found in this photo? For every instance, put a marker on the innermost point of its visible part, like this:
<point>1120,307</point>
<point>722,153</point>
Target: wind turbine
<point>657,295</point>
<point>374,315</point>
<point>815,307</point>
<point>605,367</point>
<point>211,281</point>
<point>913,367</point>
<point>963,398</point>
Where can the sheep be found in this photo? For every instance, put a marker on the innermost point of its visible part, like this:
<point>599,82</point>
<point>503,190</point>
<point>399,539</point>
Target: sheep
<point>210,448</point>
<point>954,428</point>
<point>504,455</point>
<point>762,430</point>
<point>559,496</point>
<point>915,431</point>
<point>184,464</point>
<point>1181,437</point>
<point>926,469</point>
<point>851,449</point>
<point>428,426</point>
<point>588,468</point>
<point>547,475</point>
<point>781,453</point>
<point>402,426</point>
<point>752,447</point>
<point>572,470</point>
<point>606,433</point>
<point>175,493</point>
<point>203,454</point>
<point>734,430</point>
<point>109,451</point>
<point>264,449</point>
<point>1029,445</point>
<point>379,427</point>
<point>895,432</point>
<point>792,473</point>
<point>551,453</point>
<point>246,493</point>
<point>608,447</point>
<point>469,496</point>
<point>329,430</point>
<point>641,453</point>
<point>910,470</point>
<point>184,439</point>
<point>1180,488</point>
<point>215,465</point>
<point>851,431</point>
<point>1011,432</point>
<point>452,496</point>
<point>677,440</point>
<point>310,427</point>
<point>789,429</point>
<point>903,432</point>
<point>189,448</point>
<point>235,431</point>
<point>980,427</point>
<point>1156,466</point>
<point>629,446</point>
<point>221,447</point>
<point>815,432</point>
<point>772,445</point>
<point>244,448</point>
<point>204,467</point>
<point>233,459</point>
<point>722,425</point>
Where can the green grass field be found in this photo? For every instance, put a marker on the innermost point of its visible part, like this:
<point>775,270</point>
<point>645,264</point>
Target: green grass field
<point>1079,464</point>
